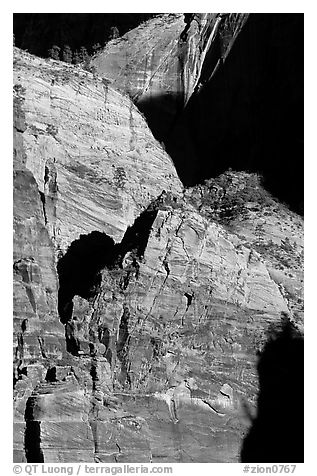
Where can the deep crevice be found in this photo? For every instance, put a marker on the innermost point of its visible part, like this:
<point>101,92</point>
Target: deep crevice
<point>189,298</point>
<point>123,332</point>
<point>122,344</point>
<point>42,197</point>
<point>32,435</point>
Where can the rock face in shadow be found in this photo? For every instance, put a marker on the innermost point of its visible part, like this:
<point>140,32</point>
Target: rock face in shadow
<point>140,305</point>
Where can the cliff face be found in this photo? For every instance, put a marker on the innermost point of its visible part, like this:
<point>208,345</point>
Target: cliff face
<point>240,78</point>
<point>139,306</point>
<point>84,141</point>
<point>161,62</point>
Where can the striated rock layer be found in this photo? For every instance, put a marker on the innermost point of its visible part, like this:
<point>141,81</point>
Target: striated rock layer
<point>163,61</point>
<point>83,142</point>
<point>139,306</point>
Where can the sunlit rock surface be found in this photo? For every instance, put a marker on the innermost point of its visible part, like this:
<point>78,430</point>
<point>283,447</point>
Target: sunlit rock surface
<point>161,62</point>
<point>83,143</point>
<point>139,306</point>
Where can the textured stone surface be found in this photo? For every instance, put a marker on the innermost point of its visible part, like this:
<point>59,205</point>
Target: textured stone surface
<point>83,142</point>
<point>240,203</point>
<point>139,306</point>
<point>161,62</point>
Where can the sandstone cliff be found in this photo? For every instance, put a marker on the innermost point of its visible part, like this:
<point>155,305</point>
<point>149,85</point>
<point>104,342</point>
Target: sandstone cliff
<point>163,61</point>
<point>139,306</point>
<point>240,78</point>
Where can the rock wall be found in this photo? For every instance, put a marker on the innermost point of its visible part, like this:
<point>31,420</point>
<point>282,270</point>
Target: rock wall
<point>139,306</point>
<point>84,141</point>
<point>161,62</point>
<point>219,85</point>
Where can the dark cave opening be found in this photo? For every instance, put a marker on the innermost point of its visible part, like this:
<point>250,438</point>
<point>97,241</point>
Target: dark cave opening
<point>189,298</point>
<point>277,432</point>
<point>79,270</point>
<point>43,201</point>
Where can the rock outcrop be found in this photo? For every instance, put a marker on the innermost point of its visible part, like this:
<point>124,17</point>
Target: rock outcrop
<point>139,306</point>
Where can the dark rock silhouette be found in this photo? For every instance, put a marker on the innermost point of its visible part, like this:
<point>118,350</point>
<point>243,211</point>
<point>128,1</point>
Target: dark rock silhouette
<point>277,433</point>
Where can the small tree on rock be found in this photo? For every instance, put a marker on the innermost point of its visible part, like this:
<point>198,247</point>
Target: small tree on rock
<point>67,54</point>
<point>114,33</point>
<point>83,54</point>
<point>54,52</point>
<point>76,57</point>
<point>96,47</point>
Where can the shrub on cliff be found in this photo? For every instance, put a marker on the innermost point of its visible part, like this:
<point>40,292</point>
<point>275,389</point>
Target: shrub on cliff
<point>54,52</point>
<point>67,54</point>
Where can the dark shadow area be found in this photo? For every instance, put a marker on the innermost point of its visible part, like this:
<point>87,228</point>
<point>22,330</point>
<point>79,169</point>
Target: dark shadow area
<point>161,112</point>
<point>51,375</point>
<point>137,236</point>
<point>277,433</point>
<point>79,270</point>
<point>249,115</point>
<point>32,436</point>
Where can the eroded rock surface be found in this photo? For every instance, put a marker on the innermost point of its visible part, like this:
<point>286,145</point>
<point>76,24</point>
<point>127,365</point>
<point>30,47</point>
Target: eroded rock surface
<point>140,306</point>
